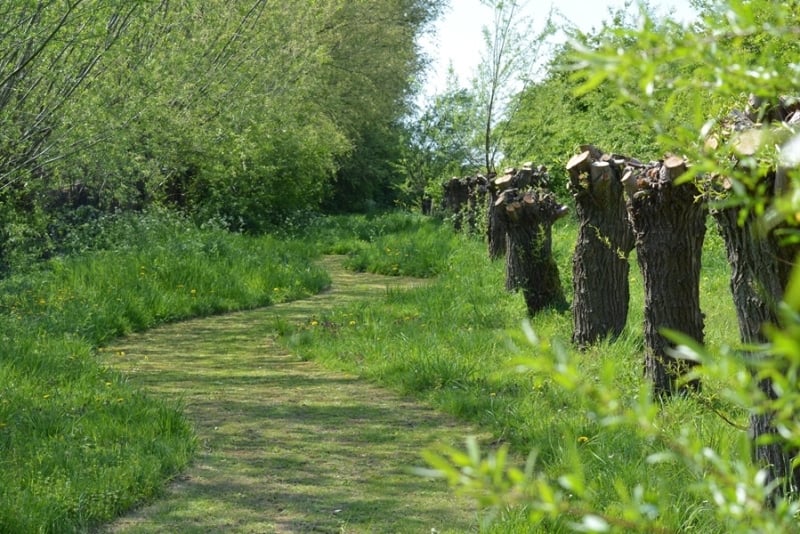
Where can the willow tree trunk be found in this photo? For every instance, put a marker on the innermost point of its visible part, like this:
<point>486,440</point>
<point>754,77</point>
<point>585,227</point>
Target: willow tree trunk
<point>528,218</point>
<point>511,179</point>
<point>605,239</point>
<point>476,200</point>
<point>669,229</point>
<point>495,230</point>
<point>456,198</point>
<point>760,269</point>
<point>757,288</point>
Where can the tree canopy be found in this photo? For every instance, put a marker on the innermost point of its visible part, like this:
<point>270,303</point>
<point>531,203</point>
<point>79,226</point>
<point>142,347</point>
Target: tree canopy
<point>244,110</point>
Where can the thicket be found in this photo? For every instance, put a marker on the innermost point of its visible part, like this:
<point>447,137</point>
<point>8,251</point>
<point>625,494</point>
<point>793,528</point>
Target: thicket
<point>242,112</point>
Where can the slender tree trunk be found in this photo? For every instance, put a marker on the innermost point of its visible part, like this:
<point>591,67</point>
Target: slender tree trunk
<point>669,228</point>
<point>528,218</point>
<point>600,264</point>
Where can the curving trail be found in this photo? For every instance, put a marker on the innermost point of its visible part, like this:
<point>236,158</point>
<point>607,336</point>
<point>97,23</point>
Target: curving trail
<point>285,445</point>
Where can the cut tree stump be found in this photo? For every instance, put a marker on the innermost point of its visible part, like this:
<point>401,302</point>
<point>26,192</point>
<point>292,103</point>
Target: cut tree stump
<point>528,217</point>
<point>600,264</point>
<point>760,268</point>
<point>526,177</point>
<point>456,197</point>
<point>669,228</point>
<point>464,199</point>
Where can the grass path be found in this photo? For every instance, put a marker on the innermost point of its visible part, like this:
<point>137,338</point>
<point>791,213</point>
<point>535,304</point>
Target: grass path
<point>286,445</point>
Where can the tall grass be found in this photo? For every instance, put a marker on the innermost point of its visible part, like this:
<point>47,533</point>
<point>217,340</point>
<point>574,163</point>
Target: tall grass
<point>452,342</point>
<point>77,443</point>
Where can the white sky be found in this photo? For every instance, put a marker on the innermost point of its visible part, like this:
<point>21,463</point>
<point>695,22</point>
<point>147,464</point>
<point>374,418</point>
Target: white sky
<point>459,39</point>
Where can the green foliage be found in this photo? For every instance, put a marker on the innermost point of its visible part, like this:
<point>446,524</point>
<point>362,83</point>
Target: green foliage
<point>232,111</point>
<point>553,122</point>
<point>52,52</point>
<point>79,444</point>
<point>455,341</point>
<point>684,83</point>
<point>372,63</point>
<point>441,144</point>
<point>680,84</point>
<point>558,114</point>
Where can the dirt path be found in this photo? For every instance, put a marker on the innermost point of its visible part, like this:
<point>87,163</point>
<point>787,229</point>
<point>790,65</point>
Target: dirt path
<point>284,445</point>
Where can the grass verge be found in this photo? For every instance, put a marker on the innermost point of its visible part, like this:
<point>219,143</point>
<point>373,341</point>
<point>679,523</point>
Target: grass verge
<point>78,443</point>
<point>454,342</point>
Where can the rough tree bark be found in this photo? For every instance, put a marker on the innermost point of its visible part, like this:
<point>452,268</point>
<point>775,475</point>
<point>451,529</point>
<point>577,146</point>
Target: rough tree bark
<point>605,239</point>
<point>477,191</point>
<point>760,268</point>
<point>495,231</point>
<point>464,198</point>
<point>756,288</point>
<point>669,229</point>
<point>456,198</point>
<point>528,217</point>
<point>511,179</point>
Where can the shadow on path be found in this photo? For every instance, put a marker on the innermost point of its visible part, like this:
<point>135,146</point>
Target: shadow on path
<point>286,445</point>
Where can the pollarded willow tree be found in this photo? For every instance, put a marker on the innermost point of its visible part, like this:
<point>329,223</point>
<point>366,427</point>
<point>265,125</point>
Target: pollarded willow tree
<point>759,276</point>
<point>600,266</point>
<point>668,217</point>
<point>683,82</point>
<point>527,215</point>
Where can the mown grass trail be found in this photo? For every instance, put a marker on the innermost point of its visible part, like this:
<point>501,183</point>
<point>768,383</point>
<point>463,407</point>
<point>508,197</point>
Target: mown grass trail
<point>285,445</point>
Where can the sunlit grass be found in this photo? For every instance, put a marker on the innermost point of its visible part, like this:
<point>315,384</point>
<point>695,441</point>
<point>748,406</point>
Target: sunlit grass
<point>78,443</point>
<point>452,343</point>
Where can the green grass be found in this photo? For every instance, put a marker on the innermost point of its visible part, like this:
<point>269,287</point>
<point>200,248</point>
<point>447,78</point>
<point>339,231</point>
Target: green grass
<point>288,446</point>
<point>451,343</point>
<point>79,443</point>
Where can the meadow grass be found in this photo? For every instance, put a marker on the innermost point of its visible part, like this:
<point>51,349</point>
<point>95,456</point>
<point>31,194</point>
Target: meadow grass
<point>453,341</point>
<point>78,444</point>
